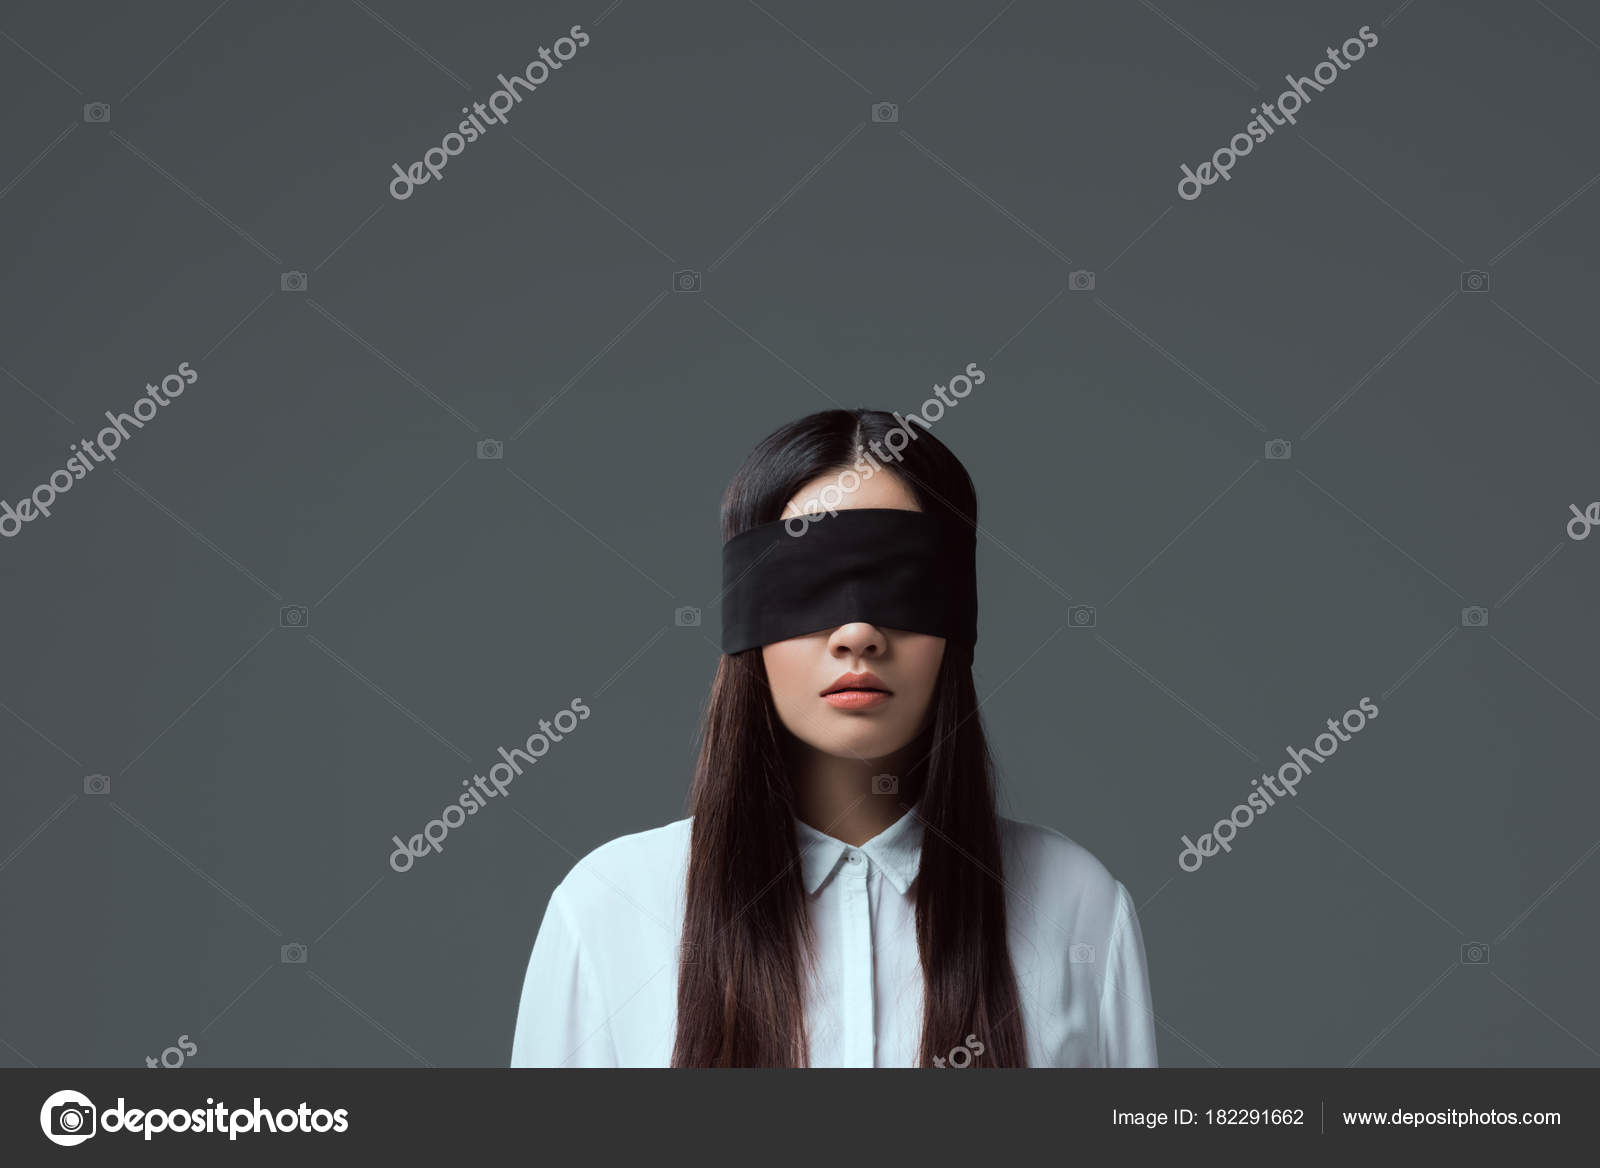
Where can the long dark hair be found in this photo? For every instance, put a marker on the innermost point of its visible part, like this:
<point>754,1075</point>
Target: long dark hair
<point>747,939</point>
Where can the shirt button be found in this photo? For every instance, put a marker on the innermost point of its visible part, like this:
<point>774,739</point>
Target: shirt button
<point>854,857</point>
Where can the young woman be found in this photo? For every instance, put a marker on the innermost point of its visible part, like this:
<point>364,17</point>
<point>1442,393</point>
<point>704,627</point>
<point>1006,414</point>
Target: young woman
<point>844,892</point>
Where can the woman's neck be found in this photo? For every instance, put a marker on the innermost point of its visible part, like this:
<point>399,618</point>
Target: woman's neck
<point>838,797</point>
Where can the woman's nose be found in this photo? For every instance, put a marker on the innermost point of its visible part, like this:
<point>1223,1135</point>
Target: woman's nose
<point>858,638</point>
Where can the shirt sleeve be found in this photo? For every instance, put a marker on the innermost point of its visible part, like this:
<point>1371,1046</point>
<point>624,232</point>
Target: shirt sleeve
<point>1127,1023</point>
<point>562,1020</point>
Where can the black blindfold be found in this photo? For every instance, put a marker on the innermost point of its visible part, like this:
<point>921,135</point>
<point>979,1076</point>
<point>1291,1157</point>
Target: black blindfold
<point>910,570</point>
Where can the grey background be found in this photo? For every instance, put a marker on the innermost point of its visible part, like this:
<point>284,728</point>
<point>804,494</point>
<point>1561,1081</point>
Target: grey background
<point>327,458</point>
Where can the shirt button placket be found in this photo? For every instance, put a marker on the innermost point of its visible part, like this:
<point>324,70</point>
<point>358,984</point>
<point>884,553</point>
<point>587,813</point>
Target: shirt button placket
<point>859,1026</point>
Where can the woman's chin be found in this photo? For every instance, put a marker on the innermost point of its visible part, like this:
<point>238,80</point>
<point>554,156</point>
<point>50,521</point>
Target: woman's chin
<point>863,746</point>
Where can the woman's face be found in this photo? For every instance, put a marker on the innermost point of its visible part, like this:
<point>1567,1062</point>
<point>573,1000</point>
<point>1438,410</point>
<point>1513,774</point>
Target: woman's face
<point>854,723</point>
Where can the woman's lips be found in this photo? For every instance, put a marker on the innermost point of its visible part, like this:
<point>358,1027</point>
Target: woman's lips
<point>856,699</point>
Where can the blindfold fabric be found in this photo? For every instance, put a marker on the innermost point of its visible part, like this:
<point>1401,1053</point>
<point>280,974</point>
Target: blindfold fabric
<point>911,570</point>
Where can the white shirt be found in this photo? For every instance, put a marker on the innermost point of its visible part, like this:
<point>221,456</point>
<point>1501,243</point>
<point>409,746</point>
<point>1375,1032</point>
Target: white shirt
<point>601,984</point>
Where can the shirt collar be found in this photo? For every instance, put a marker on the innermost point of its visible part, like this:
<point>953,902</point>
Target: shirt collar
<point>896,851</point>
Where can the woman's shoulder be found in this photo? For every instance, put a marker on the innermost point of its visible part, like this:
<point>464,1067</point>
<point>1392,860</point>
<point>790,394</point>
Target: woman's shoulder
<point>1049,868</point>
<point>644,866</point>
